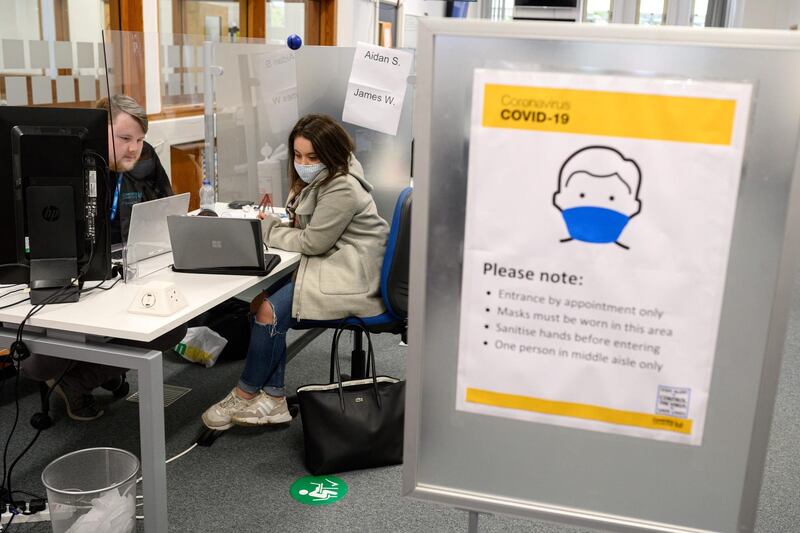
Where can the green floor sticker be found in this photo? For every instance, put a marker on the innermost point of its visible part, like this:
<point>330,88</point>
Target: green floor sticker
<point>318,490</point>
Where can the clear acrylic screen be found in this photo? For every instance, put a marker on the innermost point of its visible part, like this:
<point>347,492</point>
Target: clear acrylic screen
<point>246,130</point>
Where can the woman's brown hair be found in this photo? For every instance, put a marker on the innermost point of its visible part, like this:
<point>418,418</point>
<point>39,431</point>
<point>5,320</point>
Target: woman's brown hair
<point>331,143</point>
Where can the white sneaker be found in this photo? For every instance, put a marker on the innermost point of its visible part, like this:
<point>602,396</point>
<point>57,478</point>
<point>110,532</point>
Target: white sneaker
<point>262,410</point>
<point>218,416</point>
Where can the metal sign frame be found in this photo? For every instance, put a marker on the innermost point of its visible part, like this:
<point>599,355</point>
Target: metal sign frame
<point>495,465</point>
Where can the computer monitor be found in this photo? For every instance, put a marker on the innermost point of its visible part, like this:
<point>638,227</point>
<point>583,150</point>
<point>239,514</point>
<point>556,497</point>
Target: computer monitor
<point>53,199</point>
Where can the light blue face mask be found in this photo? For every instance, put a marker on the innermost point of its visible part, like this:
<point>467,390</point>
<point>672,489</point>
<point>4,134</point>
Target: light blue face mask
<point>308,173</point>
<point>594,224</point>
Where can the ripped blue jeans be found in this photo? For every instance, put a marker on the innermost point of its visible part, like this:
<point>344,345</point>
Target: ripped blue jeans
<point>266,356</point>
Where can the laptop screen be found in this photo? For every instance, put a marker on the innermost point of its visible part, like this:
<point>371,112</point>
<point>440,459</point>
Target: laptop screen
<point>204,243</point>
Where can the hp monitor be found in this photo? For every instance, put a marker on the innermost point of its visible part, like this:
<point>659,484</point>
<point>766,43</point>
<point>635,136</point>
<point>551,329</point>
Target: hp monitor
<point>53,200</point>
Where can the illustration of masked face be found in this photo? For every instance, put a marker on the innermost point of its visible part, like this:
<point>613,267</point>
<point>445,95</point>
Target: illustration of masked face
<point>597,203</point>
<point>596,209</point>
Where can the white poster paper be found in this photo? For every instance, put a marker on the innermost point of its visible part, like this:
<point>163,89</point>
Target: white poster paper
<point>277,91</point>
<point>599,219</point>
<point>377,88</point>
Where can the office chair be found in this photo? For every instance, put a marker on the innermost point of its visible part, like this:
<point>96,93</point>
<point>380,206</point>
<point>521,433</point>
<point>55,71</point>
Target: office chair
<point>393,286</point>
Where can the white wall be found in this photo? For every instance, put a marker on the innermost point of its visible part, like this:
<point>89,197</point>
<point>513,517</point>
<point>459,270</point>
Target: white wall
<point>430,8</point>
<point>793,11</point>
<point>766,14</point>
<point>788,14</point>
<point>85,20</point>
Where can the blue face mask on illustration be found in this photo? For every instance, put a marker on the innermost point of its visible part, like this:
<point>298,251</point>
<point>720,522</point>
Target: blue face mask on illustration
<point>594,224</point>
<point>308,173</point>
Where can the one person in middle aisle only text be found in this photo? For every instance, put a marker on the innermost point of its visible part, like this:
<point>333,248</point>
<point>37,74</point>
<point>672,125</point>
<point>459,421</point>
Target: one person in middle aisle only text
<point>334,223</point>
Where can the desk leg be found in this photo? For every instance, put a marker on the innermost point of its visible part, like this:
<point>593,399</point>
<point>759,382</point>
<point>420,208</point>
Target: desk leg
<point>151,429</point>
<point>151,405</point>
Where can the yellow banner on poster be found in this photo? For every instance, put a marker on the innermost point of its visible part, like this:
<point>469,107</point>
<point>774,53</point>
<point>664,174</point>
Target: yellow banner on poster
<point>613,114</point>
<point>577,410</point>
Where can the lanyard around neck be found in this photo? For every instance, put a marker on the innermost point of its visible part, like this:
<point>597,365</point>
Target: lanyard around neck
<point>115,203</point>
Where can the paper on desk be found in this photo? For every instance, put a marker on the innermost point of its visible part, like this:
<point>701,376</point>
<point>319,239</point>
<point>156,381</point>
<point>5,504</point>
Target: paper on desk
<point>377,87</point>
<point>234,213</point>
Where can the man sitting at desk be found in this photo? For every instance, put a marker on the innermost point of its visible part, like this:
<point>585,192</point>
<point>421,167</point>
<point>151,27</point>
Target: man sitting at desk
<point>136,172</point>
<point>136,175</point>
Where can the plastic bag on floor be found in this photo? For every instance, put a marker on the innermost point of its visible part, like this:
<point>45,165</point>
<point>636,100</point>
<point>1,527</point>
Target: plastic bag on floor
<point>201,345</point>
<point>110,513</point>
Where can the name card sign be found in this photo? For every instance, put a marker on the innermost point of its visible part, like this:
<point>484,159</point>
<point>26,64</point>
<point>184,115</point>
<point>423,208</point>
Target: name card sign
<point>377,88</point>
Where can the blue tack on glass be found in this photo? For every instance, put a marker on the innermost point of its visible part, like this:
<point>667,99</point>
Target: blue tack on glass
<point>594,224</point>
<point>294,41</point>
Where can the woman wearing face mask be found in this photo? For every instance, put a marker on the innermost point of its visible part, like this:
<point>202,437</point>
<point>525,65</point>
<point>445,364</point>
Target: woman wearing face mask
<point>334,224</point>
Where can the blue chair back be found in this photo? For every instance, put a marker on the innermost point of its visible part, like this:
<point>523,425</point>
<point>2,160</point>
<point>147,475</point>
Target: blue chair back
<point>394,273</point>
<point>394,290</point>
<point>394,277</point>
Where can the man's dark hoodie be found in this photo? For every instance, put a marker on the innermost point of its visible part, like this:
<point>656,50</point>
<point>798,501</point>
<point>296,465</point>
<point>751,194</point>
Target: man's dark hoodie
<point>146,181</point>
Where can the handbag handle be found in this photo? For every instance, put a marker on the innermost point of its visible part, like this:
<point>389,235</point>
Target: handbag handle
<point>370,366</point>
<point>370,358</point>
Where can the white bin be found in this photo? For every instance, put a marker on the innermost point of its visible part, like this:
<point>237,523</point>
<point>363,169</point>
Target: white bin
<point>92,491</point>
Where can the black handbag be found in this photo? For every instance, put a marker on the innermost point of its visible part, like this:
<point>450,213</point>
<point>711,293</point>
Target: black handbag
<point>352,424</point>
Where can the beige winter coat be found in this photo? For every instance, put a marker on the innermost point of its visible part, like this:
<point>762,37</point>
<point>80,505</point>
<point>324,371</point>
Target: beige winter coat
<point>342,239</point>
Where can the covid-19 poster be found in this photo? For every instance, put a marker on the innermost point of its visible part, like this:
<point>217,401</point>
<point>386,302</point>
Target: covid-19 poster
<point>598,226</point>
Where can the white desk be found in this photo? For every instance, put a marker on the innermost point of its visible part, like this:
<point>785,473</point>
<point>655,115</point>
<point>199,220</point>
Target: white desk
<point>79,331</point>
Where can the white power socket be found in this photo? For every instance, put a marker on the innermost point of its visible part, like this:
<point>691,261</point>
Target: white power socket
<point>160,298</point>
<point>41,516</point>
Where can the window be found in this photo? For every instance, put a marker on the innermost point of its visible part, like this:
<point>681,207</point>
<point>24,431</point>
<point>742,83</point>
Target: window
<point>284,18</point>
<point>651,12</point>
<point>502,10</point>
<point>216,21</point>
<point>50,52</point>
<point>57,20</point>
<point>598,11</point>
<point>699,10</point>
<point>181,71</point>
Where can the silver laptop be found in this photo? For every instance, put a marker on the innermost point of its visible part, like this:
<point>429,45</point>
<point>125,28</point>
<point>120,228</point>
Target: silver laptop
<point>219,246</point>
<point>148,235</point>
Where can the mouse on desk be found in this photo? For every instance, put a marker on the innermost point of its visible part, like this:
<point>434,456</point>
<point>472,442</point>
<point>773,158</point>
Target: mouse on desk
<point>207,213</point>
<point>239,204</point>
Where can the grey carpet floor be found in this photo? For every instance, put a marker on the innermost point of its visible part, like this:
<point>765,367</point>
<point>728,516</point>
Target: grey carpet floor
<point>241,483</point>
